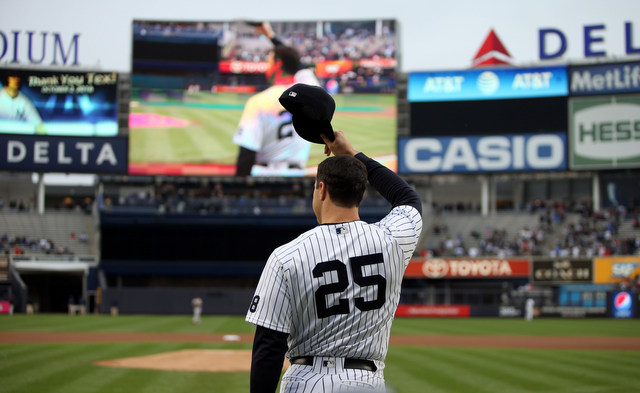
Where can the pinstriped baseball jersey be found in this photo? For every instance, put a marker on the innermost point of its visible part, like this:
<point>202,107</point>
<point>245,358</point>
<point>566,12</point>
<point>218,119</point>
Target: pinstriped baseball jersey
<point>265,127</point>
<point>335,288</point>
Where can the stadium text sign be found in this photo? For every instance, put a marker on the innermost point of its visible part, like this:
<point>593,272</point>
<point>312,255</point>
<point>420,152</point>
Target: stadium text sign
<point>468,268</point>
<point>553,42</point>
<point>30,47</point>
<point>60,154</point>
<point>562,270</point>
<point>614,270</point>
<point>482,154</point>
<point>605,79</point>
<point>604,132</point>
<point>487,84</point>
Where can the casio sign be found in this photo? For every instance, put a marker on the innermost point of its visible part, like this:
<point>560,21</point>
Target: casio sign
<point>490,153</point>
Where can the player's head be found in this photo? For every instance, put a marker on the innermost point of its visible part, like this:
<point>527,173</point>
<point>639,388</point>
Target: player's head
<point>345,179</point>
<point>283,60</point>
<point>11,81</point>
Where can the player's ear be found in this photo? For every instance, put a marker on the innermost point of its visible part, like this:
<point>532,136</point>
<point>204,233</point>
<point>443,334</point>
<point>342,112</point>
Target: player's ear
<point>322,190</point>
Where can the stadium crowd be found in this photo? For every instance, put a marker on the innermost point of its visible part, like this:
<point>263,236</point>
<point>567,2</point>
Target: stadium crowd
<point>586,234</point>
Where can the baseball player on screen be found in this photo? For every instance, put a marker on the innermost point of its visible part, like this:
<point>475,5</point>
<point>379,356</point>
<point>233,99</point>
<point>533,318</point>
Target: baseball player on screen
<point>327,299</point>
<point>268,144</point>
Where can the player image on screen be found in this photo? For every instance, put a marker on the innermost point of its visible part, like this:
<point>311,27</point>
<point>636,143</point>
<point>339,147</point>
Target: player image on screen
<point>268,144</point>
<point>327,299</point>
<point>16,106</point>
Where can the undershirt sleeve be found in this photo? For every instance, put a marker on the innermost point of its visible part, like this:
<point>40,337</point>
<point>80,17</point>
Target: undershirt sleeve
<point>267,358</point>
<point>391,186</point>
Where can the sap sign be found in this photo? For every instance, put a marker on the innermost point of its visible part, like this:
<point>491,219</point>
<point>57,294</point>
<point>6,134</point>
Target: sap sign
<point>508,153</point>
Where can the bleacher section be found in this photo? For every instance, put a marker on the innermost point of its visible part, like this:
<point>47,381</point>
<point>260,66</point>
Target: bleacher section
<point>67,229</point>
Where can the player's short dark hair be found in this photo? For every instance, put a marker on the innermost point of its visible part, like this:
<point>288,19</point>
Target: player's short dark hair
<point>290,58</point>
<point>345,178</point>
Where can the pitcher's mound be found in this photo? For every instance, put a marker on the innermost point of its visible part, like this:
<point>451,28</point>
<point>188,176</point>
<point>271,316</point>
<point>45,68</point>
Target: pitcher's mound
<point>212,360</point>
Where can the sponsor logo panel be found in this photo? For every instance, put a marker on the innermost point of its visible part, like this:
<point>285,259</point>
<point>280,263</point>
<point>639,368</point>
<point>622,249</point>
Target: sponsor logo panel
<point>614,270</point>
<point>487,84</point>
<point>468,268</point>
<point>604,132</point>
<point>496,153</point>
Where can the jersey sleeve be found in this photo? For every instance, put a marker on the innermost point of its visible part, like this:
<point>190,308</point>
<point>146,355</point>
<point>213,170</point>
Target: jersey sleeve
<point>270,306</point>
<point>249,133</point>
<point>404,224</point>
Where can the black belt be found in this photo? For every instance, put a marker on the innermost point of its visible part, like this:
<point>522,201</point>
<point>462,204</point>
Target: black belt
<point>356,364</point>
<point>291,165</point>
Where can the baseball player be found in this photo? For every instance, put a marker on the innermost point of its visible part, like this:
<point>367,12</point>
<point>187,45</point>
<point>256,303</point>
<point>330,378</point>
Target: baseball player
<point>303,74</point>
<point>196,304</point>
<point>327,299</point>
<point>268,144</point>
<point>15,105</point>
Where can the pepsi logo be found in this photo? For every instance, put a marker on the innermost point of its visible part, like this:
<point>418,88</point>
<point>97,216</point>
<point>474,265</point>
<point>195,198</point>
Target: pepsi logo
<point>622,301</point>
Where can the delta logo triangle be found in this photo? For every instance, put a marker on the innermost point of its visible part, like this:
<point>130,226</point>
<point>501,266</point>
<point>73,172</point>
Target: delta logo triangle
<point>492,52</point>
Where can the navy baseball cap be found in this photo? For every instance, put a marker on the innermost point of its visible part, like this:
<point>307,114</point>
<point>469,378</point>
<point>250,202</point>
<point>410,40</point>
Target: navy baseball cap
<point>311,109</point>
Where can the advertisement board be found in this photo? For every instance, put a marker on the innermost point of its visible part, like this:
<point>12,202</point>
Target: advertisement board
<point>63,154</point>
<point>497,153</point>
<point>444,311</point>
<point>623,304</point>
<point>604,79</point>
<point>487,84</point>
<point>614,270</point>
<point>604,132</point>
<point>468,268</point>
<point>562,271</point>
<point>191,82</point>
<point>67,103</point>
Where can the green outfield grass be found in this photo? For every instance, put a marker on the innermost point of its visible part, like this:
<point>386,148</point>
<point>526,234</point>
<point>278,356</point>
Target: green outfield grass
<point>213,118</point>
<point>68,368</point>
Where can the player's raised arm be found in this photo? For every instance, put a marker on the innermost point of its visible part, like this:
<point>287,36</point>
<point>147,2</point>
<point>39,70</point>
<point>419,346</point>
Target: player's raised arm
<point>391,186</point>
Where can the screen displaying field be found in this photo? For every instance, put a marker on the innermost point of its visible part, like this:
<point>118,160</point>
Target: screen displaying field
<point>58,103</point>
<point>191,81</point>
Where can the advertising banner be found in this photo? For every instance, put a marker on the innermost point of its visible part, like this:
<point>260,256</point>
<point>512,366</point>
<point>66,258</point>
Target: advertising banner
<point>614,270</point>
<point>562,271</point>
<point>58,103</point>
<point>63,154</point>
<point>449,311</point>
<point>496,153</point>
<point>622,304</point>
<point>487,84</point>
<point>604,79</point>
<point>5,307</point>
<point>468,268</point>
<point>604,132</point>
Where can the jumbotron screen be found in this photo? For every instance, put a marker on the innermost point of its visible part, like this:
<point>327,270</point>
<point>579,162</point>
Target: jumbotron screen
<point>191,81</point>
<point>39,102</point>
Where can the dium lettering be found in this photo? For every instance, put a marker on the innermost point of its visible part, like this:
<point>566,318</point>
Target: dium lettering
<point>32,47</point>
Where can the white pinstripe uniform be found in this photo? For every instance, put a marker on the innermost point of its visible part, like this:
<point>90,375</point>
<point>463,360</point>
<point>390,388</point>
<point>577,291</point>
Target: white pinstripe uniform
<point>335,290</point>
<point>265,127</point>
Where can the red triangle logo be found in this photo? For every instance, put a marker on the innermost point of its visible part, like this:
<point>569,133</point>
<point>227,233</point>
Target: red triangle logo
<point>492,52</point>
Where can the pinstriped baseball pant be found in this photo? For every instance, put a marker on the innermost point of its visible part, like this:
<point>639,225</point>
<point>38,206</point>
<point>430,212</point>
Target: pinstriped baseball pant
<point>327,375</point>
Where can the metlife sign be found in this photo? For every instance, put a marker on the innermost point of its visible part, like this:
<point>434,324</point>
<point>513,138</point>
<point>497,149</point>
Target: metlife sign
<point>488,84</point>
<point>605,79</point>
<point>604,132</point>
<point>496,153</point>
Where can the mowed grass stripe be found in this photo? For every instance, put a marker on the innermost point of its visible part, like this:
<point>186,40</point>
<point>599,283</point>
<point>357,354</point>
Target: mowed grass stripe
<point>418,370</point>
<point>503,326</point>
<point>543,368</point>
<point>451,372</point>
<point>616,363</point>
<point>54,364</point>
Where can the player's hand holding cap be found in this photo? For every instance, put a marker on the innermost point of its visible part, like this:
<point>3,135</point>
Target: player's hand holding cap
<point>311,108</point>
